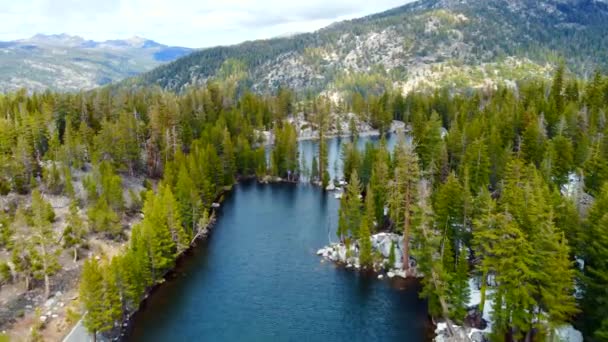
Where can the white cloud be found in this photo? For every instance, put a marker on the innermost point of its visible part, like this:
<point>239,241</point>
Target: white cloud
<point>178,22</point>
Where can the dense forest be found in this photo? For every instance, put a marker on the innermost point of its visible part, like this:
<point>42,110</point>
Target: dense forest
<point>507,185</point>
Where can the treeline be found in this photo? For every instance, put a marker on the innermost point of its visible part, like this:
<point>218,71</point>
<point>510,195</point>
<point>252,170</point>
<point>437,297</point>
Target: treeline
<point>495,186</point>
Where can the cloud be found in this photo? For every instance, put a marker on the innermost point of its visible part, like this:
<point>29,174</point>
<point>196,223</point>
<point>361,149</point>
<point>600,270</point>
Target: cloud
<point>192,23</point>
<point>81,8</point>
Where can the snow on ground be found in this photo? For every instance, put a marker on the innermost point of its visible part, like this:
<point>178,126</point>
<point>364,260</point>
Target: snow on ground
<point>381,244</point>
<point>567,333</point>
<point>475,300</point>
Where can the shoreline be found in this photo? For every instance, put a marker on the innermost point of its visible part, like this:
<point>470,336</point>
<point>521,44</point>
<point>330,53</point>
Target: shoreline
<point>395,128</point>
<point>127,325</point>
<point>382,242</point>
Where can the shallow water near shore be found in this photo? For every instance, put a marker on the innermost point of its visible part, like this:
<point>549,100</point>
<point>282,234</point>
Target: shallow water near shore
<point>258,278</point>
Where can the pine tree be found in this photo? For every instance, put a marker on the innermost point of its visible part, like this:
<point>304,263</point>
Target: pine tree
<point>103,219</point>
<point>486,235</point>
<point>170,210</point>
<point>512,262</point>
<point>44,254</point>
<point>367,222</point>
<point>449,211</point>
<point>75,231</point>
<point>351,159</point>
<point>429,142</point>
<point>112,299</point>
<point>92,297</point>
<point>436,283</point>
<point>350,209</point>
<point>459,288</point>
<point>379,183</point>
<point>365,245</point>
<point>557,88</point>
<point>228,157</point>
<point>556,292</point>
<point>187,199</point>
<point>594,277</point>
<point>477,164</point>
<point>404,197</point>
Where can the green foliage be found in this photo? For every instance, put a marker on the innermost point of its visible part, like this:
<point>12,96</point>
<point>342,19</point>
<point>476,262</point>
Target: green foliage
<point>5,273</point>
<point>404,195</point>
<point>391,256</point>
<point>285,152</point>
<point>367,224</point>
<point>75,231</point>
<point>494,182</point>
<point>350,209</point>
<point>99,295</point>
<point>594,277</point>
<point>449,208</point>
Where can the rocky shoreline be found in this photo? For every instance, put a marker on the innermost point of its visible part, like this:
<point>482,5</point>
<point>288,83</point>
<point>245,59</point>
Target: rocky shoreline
<point>478,325</point>
<point>384,263</point>
<point>337,129</point>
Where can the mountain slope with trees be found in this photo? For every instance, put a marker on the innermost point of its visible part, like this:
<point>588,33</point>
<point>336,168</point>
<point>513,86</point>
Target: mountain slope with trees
<point>424,44</point>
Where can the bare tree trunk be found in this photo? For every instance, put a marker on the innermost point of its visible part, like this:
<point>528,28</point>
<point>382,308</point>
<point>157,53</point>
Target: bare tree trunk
<point>406,232</point>
<point>406,246</point>
<point>484,285</point>
<point>47,286</point>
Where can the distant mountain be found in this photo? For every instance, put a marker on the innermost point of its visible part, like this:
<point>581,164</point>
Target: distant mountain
<point>70,63</point>
<point>428,43</point>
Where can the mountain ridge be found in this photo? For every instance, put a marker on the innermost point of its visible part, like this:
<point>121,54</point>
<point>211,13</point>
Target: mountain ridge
<point>457,43</point>
<point>66,62</point>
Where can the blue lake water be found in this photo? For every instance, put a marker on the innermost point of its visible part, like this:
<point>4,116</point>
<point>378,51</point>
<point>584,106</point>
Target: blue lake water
<point>258,278</point>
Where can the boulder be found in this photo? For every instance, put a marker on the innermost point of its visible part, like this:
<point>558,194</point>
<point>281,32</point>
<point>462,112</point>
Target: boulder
<point>478,336</point>
<point>49,302</point>
<point>341,253</point>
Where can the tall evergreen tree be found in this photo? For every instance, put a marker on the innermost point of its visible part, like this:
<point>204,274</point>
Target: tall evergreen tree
<point>404,197</point>
<point>350,209</point>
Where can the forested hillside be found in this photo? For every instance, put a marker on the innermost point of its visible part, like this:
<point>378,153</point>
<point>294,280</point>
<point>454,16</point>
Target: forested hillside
<point>425,44</point>
<point>513,194</point>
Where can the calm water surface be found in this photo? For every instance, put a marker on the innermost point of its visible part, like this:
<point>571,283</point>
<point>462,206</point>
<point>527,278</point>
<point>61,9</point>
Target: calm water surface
<point>258,278</point>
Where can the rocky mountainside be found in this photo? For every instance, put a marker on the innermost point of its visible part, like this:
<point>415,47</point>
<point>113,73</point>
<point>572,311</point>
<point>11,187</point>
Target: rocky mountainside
<point>70,63</point>
<point>428,43</point>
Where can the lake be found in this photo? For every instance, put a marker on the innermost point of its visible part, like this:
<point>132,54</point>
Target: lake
<point>258,278</point>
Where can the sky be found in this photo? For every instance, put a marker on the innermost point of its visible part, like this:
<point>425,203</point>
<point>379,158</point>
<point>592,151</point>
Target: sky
<point>189,23</point>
